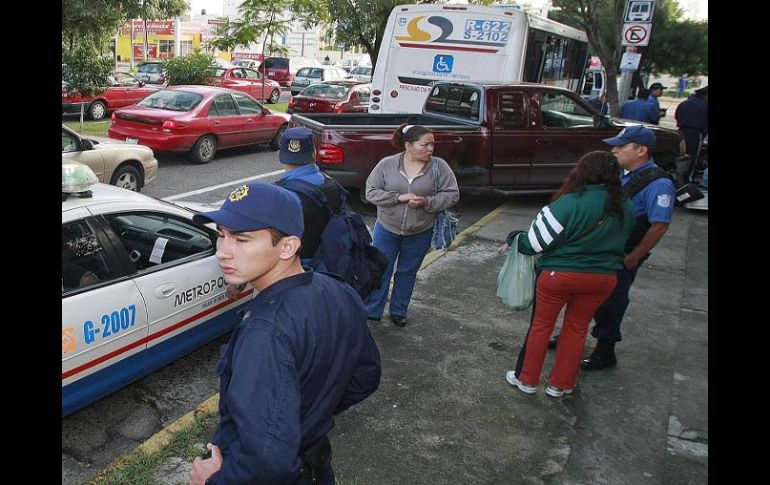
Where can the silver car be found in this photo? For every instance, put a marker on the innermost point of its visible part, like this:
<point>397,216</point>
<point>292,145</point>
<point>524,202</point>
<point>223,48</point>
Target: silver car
<point>151,72</point>
<point>362,73</point>
<point>312,75</point>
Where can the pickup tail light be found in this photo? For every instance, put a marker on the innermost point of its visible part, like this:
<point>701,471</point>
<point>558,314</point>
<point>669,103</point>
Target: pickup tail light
<point>169,125</point>
<point>291,102</point>
<point>329,154</point>
<point>339,107</point>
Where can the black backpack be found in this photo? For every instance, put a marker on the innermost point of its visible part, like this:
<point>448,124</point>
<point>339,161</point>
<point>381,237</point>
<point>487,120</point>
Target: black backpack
<point>346,245</point>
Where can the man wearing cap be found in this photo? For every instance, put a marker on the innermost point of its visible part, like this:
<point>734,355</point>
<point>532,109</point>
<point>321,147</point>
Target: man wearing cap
<point>297,155</point>
<point>656,91</point>
<point>652,194</point>
<point>692,119</point>
<point>302,353</point>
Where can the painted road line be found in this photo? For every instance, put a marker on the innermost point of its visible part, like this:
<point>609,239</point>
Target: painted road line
<point>211,404</point>
<point>465,234</point>
<point>226,184</point>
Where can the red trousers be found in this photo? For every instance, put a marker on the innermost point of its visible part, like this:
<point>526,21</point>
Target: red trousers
<point>582,293</point>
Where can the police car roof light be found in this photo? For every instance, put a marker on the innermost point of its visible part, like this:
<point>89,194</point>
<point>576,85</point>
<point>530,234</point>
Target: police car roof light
<point>77,178</point>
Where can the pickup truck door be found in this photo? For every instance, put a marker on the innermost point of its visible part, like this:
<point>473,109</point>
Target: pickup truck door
<point>563,130</point>
<point>511,140</point>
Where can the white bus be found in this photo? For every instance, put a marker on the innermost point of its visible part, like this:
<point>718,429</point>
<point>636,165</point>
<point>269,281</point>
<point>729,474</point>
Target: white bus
<point>427,43</point>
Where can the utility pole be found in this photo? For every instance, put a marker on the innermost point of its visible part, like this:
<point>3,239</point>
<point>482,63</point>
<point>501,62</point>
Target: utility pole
<point>637,28</point>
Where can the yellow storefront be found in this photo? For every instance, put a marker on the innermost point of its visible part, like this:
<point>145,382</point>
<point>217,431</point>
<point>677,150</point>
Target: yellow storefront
<point>160,40</point>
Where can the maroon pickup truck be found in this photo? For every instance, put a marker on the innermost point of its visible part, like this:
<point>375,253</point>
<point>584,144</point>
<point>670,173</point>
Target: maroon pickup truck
<point>521,138</point>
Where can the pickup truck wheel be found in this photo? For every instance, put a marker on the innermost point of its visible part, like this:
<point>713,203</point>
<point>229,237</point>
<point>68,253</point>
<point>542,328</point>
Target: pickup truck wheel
<point>277,138</point>
<point>97,110</point>
<point>204,149</point>
<point>127,177</point>
<point>274,96</point>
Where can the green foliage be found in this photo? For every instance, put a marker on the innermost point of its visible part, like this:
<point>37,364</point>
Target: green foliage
<point>189,69</point>
<point>84,70</point>
<point>264,20</point>
<point>681,48</point>
<point>91,21</point>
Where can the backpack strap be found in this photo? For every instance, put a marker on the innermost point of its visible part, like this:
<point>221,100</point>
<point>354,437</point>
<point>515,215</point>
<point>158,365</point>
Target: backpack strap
<point>640,180</point>
<point>304,187</point>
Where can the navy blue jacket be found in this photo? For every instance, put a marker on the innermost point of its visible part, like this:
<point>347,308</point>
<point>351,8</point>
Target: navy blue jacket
<point>638,109</point>
<point>693,113</point>
<point>302,354</point>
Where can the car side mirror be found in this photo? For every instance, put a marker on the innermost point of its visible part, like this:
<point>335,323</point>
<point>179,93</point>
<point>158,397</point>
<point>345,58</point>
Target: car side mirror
<point>86,144</point>
<point>265,111</point>
<point>142,83</point>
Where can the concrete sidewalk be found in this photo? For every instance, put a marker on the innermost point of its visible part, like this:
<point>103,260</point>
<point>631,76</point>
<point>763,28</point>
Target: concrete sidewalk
<point>445,415</point>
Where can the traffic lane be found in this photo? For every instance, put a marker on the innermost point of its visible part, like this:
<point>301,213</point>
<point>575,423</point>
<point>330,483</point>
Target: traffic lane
<point>177,175</point>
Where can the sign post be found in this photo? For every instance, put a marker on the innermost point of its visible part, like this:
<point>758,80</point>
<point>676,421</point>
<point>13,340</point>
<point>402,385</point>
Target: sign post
<point>637,28</point>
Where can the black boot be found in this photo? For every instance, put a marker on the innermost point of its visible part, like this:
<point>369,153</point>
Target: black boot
<point>602,357</point>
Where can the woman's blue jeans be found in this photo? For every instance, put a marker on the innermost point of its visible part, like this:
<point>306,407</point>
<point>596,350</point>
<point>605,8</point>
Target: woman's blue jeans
<point>406,254</point>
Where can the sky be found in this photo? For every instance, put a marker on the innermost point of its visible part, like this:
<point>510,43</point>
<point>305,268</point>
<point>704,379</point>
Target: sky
<point>694,9</point>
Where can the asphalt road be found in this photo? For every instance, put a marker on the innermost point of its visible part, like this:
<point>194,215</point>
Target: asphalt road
<point>97,435</point>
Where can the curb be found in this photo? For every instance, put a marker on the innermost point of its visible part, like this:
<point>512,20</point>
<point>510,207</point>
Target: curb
<point>465,234</point>
<point>163,437</point>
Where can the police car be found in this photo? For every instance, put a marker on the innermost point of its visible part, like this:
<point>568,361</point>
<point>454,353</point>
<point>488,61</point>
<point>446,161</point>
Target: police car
<point>141,287</point>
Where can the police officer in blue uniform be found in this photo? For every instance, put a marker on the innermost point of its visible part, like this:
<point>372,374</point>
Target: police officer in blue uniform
<point>692,119</point>
<point>639,109</point>
<point>302,354</point>
<point>652,194</point>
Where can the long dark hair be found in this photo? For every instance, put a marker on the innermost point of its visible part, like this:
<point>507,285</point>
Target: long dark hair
<point>597,167</point>
<point>413,133</point>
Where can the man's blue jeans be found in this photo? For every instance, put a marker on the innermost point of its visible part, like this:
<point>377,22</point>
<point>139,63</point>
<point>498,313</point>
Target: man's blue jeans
<point>610,314</point>
<point>406,254</point>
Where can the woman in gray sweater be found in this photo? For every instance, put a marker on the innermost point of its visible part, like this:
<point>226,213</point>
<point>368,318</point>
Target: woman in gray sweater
<point>401,186</point>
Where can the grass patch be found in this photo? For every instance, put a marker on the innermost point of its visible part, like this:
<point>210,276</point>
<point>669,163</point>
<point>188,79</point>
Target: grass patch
<point>139,467</point>
<point>94,128</point>
<point>277,107</point>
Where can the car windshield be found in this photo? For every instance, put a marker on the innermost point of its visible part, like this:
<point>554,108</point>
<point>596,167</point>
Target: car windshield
<point>215,72</point>
<point>310,72</point>
<point>171,100</point>
<point>276,63</point>
<point>326,91</point>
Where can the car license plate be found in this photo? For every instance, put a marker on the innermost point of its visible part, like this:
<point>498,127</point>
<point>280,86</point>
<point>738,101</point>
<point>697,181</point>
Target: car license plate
<point>271,73</point>
<point>132,140</point>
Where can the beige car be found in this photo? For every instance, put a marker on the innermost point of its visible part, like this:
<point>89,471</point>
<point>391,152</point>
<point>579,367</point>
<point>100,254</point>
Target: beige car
<point>114,162</point>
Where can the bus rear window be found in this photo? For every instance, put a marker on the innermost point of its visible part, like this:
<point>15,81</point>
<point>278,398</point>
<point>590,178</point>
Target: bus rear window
<point>460,101</point>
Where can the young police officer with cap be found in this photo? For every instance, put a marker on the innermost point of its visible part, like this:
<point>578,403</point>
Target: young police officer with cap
<point>302,353</point>
<point>297,155</point>
<point>656,91</point>
<point>653,206</point>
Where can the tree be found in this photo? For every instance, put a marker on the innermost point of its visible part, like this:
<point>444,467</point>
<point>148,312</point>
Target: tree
<point>602,20</point>
<point>85,72</point>
<point>92,21</point>
<point>263,20</point>
<point>158,10</point>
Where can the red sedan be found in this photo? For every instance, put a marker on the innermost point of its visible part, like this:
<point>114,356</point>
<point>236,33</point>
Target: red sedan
<point>246,80</point>
<point>332,97</point>
<point>198,120</point>
<point>124,90</point>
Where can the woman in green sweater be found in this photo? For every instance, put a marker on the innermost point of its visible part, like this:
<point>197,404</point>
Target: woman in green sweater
<point>580,238</point>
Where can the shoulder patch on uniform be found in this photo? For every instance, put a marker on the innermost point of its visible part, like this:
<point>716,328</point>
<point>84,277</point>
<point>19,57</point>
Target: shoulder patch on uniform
<point>664,200</point>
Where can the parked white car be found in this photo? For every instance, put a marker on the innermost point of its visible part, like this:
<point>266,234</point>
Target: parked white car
<point>362,73</point>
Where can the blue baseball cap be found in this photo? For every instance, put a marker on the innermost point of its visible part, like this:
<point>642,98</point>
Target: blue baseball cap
<point>633,134</point>
<point>296,146</point>
<point>258,206</point>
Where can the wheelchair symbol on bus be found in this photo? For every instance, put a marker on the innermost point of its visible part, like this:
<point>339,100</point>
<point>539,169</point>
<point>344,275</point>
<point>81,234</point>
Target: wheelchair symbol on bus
<point>443,63</point>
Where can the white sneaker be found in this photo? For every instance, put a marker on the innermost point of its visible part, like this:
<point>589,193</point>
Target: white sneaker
<point>554,391</point>
<point>510,377</point>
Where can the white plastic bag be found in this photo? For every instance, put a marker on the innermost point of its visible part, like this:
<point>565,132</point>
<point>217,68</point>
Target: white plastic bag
<point>516,281</point>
